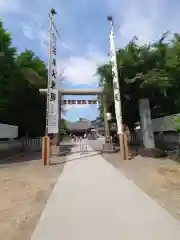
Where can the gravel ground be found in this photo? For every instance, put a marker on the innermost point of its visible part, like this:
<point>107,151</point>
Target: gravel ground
<point>159,178</point>
<point>24,189</point>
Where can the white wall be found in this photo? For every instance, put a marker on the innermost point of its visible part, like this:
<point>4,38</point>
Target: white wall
<point>164,123</point>
<point>8,131</point>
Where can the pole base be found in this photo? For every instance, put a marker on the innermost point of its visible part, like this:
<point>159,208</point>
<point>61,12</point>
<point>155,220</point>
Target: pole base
<point>123,146</point>
<point>45,150</point>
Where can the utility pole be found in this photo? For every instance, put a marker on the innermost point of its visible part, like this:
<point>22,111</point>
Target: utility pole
<point>116,87</point>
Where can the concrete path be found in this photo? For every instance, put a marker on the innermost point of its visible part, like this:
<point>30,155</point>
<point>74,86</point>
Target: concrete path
<point>92,200</point>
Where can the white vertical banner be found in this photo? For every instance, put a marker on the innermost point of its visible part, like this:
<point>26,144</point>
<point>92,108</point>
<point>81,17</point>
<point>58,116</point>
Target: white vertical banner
<point>116,88</point>
<point>53,117</point>
<point>53,113</point>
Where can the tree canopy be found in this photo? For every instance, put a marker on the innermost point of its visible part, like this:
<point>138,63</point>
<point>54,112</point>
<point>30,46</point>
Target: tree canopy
<point>145,71</point>
<point>21,76</point>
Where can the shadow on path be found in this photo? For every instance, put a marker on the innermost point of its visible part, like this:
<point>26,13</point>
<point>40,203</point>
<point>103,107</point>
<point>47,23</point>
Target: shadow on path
<point>84,155</point>
<point>21,158</point>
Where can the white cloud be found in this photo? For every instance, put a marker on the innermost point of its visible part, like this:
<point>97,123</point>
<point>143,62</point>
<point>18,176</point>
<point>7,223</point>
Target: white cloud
<point>77,69</point>
<point>146,19</point>
<point>140,21</point>
<point>66,46</point>
<point>82,69</point>
<point>34,31</point>
<point>28,33</point>
<point>43,37</point>
<point>10,5</point>
<point>77,107</point>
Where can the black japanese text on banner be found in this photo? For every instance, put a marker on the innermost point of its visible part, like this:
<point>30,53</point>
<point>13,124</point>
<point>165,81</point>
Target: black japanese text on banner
<point>54,62</point>
<point>53,116</point>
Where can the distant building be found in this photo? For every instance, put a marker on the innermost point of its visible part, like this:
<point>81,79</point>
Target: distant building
<point>80,127</point>
<point>83,120</point>
<point>83,126</point>
<point>99,126</point>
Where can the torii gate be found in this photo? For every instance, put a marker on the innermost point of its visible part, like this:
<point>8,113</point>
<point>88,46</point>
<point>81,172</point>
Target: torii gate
<point>92,92</point>
<point>53,98</point>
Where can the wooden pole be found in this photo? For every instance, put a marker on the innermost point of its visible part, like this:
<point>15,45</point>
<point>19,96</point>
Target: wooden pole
<point>123,146</point>
<point>45,150</point>
<point>121,143</point>
<point>126,153</point>
<point>55,141</point>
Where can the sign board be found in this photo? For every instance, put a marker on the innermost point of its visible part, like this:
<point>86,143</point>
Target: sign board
<point>53,116</point>
<point>81,102</point>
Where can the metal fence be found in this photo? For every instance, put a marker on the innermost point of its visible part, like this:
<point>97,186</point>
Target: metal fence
<point>167,140</point>
<point>5,145</point>
<point>134,139</point>
<point>83,146</point>
<point>12,147</point>
<point>109,147</point>
<point>164,140</point>
<point>34,144</point>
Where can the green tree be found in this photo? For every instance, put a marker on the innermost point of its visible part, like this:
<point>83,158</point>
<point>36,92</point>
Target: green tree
<point>32,68</point>
<point>176,123</point>
<point>149,71</point>
<point>20,79</point>
<point>63,125</point>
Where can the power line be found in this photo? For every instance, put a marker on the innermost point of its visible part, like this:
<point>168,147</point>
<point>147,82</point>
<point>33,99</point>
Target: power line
<point>54,26</point>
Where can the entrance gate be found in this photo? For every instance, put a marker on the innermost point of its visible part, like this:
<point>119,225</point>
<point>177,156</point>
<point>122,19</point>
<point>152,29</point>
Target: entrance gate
<point>94,92</point>
<point>108,147</point>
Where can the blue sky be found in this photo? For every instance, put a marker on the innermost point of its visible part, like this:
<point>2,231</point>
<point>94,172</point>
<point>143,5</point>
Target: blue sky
<point>84,33</point>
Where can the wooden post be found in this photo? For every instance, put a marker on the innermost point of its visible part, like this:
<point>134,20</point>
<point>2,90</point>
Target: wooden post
<point>55,141</point>
<point>121,143</point>
<point>126,154</point>
<point>123,146</point>
<point>45,150</point>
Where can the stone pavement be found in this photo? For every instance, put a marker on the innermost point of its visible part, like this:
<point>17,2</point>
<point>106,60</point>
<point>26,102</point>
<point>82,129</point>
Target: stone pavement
<point>92,200</point>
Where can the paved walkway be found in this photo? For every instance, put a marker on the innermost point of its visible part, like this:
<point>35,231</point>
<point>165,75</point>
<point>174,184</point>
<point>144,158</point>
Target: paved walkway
<point>92,200</point>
